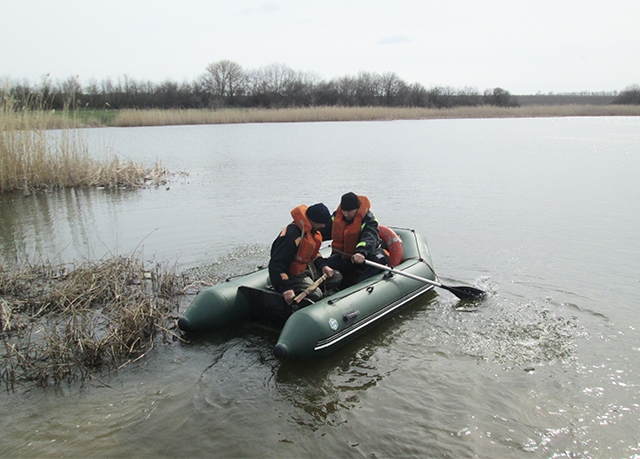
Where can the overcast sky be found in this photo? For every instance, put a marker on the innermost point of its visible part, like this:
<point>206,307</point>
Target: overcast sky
<point>523,46</point>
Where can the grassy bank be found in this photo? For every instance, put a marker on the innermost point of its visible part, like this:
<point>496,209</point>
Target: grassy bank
<point>130,118</point>
<point>35,157</point>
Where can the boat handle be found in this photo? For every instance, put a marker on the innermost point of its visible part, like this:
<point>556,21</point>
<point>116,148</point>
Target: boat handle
<point>347,316</point>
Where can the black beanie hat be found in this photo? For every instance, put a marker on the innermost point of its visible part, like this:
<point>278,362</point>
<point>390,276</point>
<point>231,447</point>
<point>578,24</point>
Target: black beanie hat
<point>318,213</point>
<point>349,201</point>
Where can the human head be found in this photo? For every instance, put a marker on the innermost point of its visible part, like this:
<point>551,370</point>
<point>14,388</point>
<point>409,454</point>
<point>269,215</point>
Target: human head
<point>349,201</point>
<point>318,215</point>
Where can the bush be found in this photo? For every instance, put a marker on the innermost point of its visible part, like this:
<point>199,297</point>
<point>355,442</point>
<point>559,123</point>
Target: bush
<point>629,96</point>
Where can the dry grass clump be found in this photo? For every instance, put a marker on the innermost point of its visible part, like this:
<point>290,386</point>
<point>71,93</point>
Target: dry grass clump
<point>61,324</point>
<point>129,118</point>
<point>32,157</point>
<point>34,160</point>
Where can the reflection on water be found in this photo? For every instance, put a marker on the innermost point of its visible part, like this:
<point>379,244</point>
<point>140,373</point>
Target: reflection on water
<point>323,392</point>
<point>61,225</point>
<point>313,393</point>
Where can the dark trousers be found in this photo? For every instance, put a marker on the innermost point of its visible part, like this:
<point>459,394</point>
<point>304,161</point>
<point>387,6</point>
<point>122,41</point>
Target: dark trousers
<point>309,276</point>
<point>353,273</point>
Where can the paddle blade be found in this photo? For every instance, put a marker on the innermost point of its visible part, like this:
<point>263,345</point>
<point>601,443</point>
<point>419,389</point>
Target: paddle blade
<point>466,293</point>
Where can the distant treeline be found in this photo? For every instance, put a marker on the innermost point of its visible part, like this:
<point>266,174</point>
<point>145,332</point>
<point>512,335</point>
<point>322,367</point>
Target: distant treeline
<point>226,84</point>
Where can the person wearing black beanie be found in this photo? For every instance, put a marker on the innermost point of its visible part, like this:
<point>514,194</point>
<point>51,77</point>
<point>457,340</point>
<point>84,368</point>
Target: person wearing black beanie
<point>318,213</point>
<point>354,233</point>
<point>349,201</point>
<point>295,261</point>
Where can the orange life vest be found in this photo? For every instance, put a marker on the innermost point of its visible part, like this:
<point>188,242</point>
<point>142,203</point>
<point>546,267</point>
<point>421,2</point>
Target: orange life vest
<point>308,243</point>
<point>346,235</point>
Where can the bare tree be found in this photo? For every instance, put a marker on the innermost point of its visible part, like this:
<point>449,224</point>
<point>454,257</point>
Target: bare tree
<point>630,95</point>
<point>441,97</point>
<point>391,87</point>
<point>417,96</point>
<point>300,89</point>
<point>347,91</point>
<point>500,98</point>
<point>276,77</point>
<point>68,89</point>
<point>368,88</point>
<point>225,79</point>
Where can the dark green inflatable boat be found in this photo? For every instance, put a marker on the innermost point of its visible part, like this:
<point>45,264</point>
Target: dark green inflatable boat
<point>323,326</point>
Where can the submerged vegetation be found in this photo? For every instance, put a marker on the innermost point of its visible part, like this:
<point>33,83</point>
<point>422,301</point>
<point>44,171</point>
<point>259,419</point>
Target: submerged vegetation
<point>61,323</point>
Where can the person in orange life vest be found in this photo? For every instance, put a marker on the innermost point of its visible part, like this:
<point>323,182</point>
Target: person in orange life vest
<point>295,261</point>
<point>354,230</point>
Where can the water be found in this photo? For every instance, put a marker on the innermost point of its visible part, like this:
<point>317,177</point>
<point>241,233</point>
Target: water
<point>542,213</point>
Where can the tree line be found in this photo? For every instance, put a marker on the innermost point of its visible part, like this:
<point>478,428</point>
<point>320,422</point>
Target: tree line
<point>226,84</point>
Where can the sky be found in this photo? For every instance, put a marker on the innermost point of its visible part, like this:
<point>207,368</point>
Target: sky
<point>522,46</point>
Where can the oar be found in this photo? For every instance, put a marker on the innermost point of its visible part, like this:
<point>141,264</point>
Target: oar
<point>310,288</point>
<point>464,293</point>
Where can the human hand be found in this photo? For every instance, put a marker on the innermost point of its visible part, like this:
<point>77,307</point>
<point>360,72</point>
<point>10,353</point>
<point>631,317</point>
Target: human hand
<point>288,296</point>
<point>357,258</point>
<point>328,271</point>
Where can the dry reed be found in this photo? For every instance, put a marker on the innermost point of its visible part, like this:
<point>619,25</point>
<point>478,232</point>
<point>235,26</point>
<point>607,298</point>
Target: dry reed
<point>64,324</point>
<point>130,118</point>
<point>32,157</point>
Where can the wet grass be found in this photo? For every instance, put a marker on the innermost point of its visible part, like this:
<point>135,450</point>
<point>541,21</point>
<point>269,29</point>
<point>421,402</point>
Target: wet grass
<point>63,323</point>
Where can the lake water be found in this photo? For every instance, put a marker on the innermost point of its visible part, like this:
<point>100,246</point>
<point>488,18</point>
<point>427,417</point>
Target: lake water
<point>542,213</point>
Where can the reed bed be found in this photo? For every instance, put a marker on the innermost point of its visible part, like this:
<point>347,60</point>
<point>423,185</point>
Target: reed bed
<point>130,118</point>
<point>17,119</point>
<point>40,160</point>
<point>34,157</point>
<point>61,323</point>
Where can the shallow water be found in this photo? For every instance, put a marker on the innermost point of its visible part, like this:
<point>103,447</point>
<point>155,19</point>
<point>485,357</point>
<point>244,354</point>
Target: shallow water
<point>542,213</point>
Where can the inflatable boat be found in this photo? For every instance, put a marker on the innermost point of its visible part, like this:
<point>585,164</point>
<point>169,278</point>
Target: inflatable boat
<point>323,326</point>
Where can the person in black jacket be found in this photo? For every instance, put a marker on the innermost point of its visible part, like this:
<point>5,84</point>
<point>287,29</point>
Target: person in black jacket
<point>354,231</point>
<point>295,259</point>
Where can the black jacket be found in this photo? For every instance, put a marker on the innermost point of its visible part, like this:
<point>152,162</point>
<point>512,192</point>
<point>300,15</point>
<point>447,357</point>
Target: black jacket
<point>283,252</point>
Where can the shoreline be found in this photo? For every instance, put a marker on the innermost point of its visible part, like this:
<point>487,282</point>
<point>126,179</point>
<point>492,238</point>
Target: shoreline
<point>177,117</point>
<point>165,117</point>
